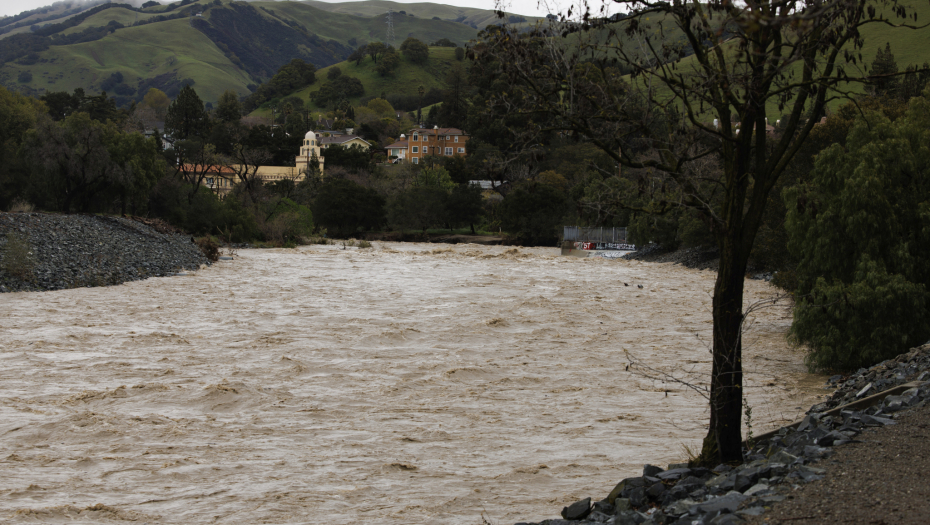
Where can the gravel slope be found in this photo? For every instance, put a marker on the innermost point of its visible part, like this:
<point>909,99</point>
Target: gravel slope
<point>881,480</point>
<point>40,251</point>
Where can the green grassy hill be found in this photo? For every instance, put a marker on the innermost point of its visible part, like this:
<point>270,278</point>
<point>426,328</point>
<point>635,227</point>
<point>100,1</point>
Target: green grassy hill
<point>405,80</point>
<point>476,18</point>
<point>51,14</point>
<point>125,17</point>
<point>910,47</point>
<point>167,48</point>
<point>363,29</point>
<point>233,45</point>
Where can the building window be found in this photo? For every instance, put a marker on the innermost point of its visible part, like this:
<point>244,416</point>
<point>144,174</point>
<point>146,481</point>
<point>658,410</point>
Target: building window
<point>416,138</point>
<point>313,143</point>
<point>416,160</point>
<point>448,151</point>
<point>448,137</point>
<point>456,138</point>
<point>414,150</point>
<point>461,150</point>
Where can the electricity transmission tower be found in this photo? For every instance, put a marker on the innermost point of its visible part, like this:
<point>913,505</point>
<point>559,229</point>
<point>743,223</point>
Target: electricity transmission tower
<point>390,29</point>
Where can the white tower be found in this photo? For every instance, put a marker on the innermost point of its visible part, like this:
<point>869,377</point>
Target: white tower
<point>309,148</point>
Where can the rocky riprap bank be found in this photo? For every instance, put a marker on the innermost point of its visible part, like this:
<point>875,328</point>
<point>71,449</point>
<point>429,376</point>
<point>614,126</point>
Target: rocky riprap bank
<point>55,252</point>
<point>699,258</point>
<point>774,465</point>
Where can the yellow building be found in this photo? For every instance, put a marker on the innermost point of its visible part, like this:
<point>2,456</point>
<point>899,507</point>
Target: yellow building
<point>222,178</point>
<point>346,141</point>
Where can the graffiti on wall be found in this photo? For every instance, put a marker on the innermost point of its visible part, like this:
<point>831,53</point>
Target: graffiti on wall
<point>603,246</point>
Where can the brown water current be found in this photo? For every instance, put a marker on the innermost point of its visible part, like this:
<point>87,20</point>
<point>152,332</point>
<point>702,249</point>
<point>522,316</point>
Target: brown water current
<point>402,384</point>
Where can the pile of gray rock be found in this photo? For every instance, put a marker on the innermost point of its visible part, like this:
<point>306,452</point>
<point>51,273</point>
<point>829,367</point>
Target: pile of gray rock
<point>784,460</point>
<point>701,258</point>
<point>40,251</point>
<point>866,382</point>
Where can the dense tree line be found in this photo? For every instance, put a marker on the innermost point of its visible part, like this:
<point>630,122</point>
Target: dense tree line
<point>296,73</point>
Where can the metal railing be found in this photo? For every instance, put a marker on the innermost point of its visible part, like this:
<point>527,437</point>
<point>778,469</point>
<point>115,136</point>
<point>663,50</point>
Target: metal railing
<point>600,234</point>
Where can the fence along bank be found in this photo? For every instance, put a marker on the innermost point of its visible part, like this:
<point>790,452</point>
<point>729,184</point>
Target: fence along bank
<point>580,241</point>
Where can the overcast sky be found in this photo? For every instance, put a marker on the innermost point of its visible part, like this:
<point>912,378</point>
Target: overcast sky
<point>523,7</point>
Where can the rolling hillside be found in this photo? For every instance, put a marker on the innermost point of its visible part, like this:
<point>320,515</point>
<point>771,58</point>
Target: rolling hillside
<point>405,80</point>
<point>231,45</point>
<point>910,47</point>
<point>363,29</point>
<point>476,18</point>
<point>57,12</point>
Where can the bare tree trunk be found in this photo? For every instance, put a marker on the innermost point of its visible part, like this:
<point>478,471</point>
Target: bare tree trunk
<point>724,434</point>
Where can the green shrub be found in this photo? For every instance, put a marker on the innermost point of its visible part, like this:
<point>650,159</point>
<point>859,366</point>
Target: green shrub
<point>860,229</point>
<point>210,249</point>
<point>288,223</point>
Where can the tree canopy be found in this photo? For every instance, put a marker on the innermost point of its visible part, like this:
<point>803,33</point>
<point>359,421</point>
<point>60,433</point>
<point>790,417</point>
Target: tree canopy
<point>858,229</point>
<point>415,50</point>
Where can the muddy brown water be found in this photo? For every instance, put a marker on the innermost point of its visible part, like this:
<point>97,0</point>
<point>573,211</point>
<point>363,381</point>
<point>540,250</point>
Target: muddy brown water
<point>402,384</point>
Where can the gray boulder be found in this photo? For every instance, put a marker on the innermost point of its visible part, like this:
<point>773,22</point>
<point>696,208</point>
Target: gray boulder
<point>577,511</point>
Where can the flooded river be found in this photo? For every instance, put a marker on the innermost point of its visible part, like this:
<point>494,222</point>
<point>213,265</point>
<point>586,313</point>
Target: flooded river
<point>404,384</point>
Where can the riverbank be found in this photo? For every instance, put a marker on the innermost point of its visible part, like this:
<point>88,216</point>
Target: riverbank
<point>884,486</point>
<point>43,251</point>
<point>440,238</point>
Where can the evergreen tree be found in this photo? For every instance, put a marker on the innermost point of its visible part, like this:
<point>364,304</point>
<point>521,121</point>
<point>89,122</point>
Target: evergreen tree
<point>228,108</point>
<point>884,65</point>
<point>454,110</point>
<point>186,117</point>
<point>859,229</point>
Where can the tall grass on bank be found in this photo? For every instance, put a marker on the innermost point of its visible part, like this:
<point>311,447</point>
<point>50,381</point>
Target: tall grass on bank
<point>16,257</point>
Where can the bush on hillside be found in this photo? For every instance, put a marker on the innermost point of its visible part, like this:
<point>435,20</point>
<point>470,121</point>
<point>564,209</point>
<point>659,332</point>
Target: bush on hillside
<point>415,50</point>
<point>342,87</point>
